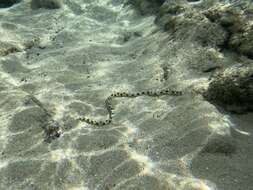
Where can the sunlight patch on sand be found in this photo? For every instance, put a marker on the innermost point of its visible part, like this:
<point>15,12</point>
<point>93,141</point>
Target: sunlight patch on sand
<point>221,125</point>
<point>130,131</point>
<point>102,72</point>
<point>145,162</point>
<point>195,185</point>
<point>59,155</point>
<point>217,126</point>
<point>3,164</point>
<point>200,186</point>
<point>59,111</point>
<point>78,188</point>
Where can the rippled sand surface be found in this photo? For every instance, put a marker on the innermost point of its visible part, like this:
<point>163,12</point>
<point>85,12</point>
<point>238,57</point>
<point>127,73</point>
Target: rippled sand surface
<point>71,59</point>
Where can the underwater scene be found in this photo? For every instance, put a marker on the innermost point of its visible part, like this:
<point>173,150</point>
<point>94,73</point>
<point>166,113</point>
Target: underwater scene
<point>126,95</point>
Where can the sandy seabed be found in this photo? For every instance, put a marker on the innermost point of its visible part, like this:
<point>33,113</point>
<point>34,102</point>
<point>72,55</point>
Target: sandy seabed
<point>71,59</point>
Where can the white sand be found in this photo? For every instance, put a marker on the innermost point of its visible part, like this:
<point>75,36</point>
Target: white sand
<point>81,58</point>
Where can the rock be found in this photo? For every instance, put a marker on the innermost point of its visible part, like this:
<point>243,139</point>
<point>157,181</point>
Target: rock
<point>243,42</point>
<point>185,23</point>
<point>232,89</point>
<point>225,26</point>
<point>52,131</point>
<point>8,3</point>
<point>47,4</point>
<point>238,25</point>
<point>228,17</point>
<point>205,60</point>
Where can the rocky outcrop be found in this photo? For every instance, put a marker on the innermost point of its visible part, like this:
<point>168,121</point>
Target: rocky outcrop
<point>237,23</point>
<point>185,23</point>
<point>232,89</point>
<point>225,26</point>
<point>218,29</point>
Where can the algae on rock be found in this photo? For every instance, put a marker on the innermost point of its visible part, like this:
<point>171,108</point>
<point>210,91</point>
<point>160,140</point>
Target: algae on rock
<point>233,89</point>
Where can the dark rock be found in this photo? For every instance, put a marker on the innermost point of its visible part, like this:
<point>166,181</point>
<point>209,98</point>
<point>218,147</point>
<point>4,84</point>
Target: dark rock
<point>52,131</point>
<point>232,89</point>
<point>238,25</point>
<point>187,24</point>
<point>217,25</point>
<point>47,4</point>
<point>8,3</point>
<point>243,42</point>
<point>225,26</point>
<point>229,17</point>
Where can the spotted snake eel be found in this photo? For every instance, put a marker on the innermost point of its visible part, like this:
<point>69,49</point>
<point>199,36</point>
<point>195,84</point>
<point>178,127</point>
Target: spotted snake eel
<point>108,103</point>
